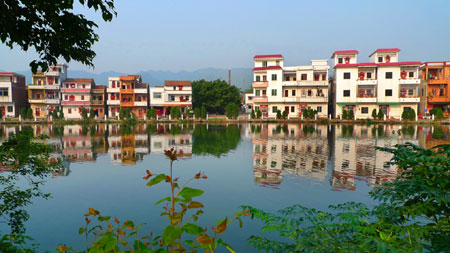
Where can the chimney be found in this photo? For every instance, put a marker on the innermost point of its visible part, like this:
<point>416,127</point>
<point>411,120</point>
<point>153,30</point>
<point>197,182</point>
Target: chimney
<point>229,77</point>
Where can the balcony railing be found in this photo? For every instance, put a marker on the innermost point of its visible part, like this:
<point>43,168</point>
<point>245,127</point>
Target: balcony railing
<point>260,99</point>
<point>97,102</point>
<point>127,91</point>
<point>367,81</point>
<point>260,84</point>
<point>75,90</point>
<point>409,81</point>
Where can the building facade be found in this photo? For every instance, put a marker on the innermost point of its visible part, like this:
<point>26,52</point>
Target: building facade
<point>292,89</point>
<point>13,94</point>
<point>435,86</point>
<point>384,83</point>
<point>172,94</point>
<point>127,92</point>
<point>76,95</point>
<point>44,92</point>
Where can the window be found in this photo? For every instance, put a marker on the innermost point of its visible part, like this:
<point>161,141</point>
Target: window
<point>274,109</point>
<point>113,84</point>
<point>66,97</point>
<point>264,64</point>
<point>286,78</point>
<point>388,93</point>
<point>264,92</point>
<point>364,110</point>
<point>293,93</point>
<point>278,62</point>
<point>70,111</point>
<point>172,98</point>
<point>319,108</point>
<point>309,93</point>
<point>258,78</point>
<point>304,77</point>
<point>369,75</point>
<point>264,78</point>
<point>405,109</point>
<point>10,108</point>
<point>410,92</point>
<point>388,75</point>
<point>84,86</point>
<point>411,74</point>
<point>274,92</point>
<point>340,60</point>
<point>292,108</point>
<point>82,97</point>
<point>380,59</point>
<point>441,92</point>
<point>257,93</point>
<point>187,98</point>
<point>157,95</point>
<point>174,88</point>
<point>347,75</point>
<point>346,93</point>
<point>274,77</point>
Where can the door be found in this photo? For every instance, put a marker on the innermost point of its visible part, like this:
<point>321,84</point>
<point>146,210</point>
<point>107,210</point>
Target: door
<point>302,108</point>
<point>286,93</point>
<point>385,110</point>
<point>265,110</point>
<point>37,112</point>
<point>286,109</point>
<point>141,114</point>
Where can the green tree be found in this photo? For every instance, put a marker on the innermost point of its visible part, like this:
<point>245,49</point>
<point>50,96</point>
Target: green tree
<point>151,113</point>
<point>23,112</point>
<point>91,113</point>
<point>438,113</point>
<point>29,113</point>
<point>278,114</point>
<point>252,114</point>
<point>217,140</point>
<point>344,114</point>
<point>203,112</point>
<point>197,113</point>
<point>284,115</point>
<point>84,113</point>
<point>351,115</point>
<point>214,95</point>
<point>258,114</point>
<point>52,29</point>
<point>232,111</point>
<point>61,114</point>
<point>380,114</point>
<point>374,114</point>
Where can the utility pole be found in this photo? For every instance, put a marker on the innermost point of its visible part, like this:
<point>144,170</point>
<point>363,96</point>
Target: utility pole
<point>229,77</point>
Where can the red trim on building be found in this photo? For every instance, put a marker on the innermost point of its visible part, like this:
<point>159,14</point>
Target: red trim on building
<point>345,52</point>
<point>385,50</point>
<point>268,56</point>
<point>266,68</point>
<point>368,64</point>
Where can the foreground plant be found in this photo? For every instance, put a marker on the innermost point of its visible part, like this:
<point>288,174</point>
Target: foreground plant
<point>180,209</point>
<point>413,214</point>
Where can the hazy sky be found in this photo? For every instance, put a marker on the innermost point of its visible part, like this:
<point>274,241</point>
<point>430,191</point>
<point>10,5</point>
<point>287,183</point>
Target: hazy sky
<point>191,34</point>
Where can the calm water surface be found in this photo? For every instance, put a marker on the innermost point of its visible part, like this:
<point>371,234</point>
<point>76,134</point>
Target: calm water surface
<point>269,166</point>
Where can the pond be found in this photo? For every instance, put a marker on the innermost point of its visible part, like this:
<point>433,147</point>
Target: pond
<point>269,166</point>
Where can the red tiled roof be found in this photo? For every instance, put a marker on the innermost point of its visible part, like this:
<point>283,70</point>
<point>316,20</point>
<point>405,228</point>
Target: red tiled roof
<point>268,56</point>
<point>345,52</point>
<point>177,83</point>
<point>266,68</point>
<point>385,50</point>
<point>400,63</point>
<point>79,80</point>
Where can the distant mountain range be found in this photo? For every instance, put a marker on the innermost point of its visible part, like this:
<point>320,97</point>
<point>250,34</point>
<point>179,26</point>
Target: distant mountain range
<point>240,77</point>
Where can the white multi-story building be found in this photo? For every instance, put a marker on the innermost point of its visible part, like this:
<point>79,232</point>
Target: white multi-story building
<point>292,89</point>
<point>13,94</point>
<point>172,94</point>
<point>383,83</point>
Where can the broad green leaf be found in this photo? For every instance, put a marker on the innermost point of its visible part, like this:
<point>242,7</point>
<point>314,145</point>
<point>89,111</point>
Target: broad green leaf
<point>156,180</point>
<point>162,200</point>
<point>170,234</point>
<point>189,193</point>
<point>81,230</point>
<point>192,229</point>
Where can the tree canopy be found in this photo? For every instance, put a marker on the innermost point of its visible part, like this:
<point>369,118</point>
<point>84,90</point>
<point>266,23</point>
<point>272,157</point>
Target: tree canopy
<point>214,95</point>
<point>52,29</point>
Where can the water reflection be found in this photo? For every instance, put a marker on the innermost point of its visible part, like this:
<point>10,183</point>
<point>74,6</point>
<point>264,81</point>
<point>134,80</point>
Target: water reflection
<point>338,154</point>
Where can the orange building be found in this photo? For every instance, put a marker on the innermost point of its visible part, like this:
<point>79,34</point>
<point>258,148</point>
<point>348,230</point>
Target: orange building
<point>436,82</point>
<point>127,92</point>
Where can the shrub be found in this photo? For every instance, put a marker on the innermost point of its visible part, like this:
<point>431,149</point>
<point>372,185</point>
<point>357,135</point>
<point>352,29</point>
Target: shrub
<point>438,113</point>
<point>374,114</point>
<point>351,115</point>
<point>29,113</point>
<point>23,112</point>
<point>278,114</point>
<point>84,113</point>
<point>203,112</point>
<point>197,113</point>
<point>91,113</point>
<point>232,111</point>
<point>344,114</point>
<point>380,114</point>
<point>284,115</point>
<point>151,113</point>
<point>252,114</point>
<point>258,114</point>
<point>175,112</point>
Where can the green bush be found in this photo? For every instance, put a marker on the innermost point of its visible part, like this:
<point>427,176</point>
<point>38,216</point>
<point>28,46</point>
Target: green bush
<point>284,115</point>
<point>438,113</point>
<point>374,114</point>
<point>29,113</point>
<point>175,112</point>
<point>84,113</point>
<point>252,114</point>
<point>258,114</point>
<point>61,114</point>
<point>197,113</point>
<point>344,114</point>
<point>23,112</point>
<point>232,111</point>
<point>91,113</point>
<point>409,114</point>
<point>151,113</point>
<point>278,114</point>
<point>380,114</point>
<point>351,115</point>
<point>203,112</point>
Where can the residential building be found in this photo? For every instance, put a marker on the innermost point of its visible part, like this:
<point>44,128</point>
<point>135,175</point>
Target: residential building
<point>248,102</point>
<point>435,86</point>
<point>384,83</point>
<point>127,92</point>
<point>292,89</point>
<point>13,94</point>
<point>44,92</point>
<point>172,94</point>
<point>76,95</point>
<point>98,100</point>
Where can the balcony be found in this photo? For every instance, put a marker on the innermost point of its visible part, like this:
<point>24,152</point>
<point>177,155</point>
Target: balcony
<point>314,99</point>
<point>113,102</point>
<point>127,104</point>
<point>260,84</point>
<point>410,81</point>
<point>113,90</point>
<point>5,99</point>
<point>409,99</point>
<point>437,81</point>
<point>290,83</point>
<point>140,91</point>
<point>52,87</point>
<point>291,99</point>
<point>75,102</point>
<point>97,102</point>
<point>73,90</point>
<point>366,99</point>
<point>313,83</point>
<point>53,101</point>
<point>367,82</point>
<point>126,91</point>
<point>36,86</point>
<point>366,95</point>
<point>260,99</point>
<point>438,98</point>
<point>140,103</point>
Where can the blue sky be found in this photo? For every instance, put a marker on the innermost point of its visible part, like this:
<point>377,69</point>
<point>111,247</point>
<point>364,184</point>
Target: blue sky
<point>192,34</point>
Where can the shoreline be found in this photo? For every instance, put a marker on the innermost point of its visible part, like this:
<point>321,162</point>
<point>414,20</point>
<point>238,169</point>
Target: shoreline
<point>222,120</point>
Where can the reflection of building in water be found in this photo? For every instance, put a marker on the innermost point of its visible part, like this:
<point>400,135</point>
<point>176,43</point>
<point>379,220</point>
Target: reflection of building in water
<point>436,135</point>
<point>77,144</point>
<point>355,157</point>
<point>128,144</point>
<point>164,140</point>
<point>295,149</point>
<point>98,138</point>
